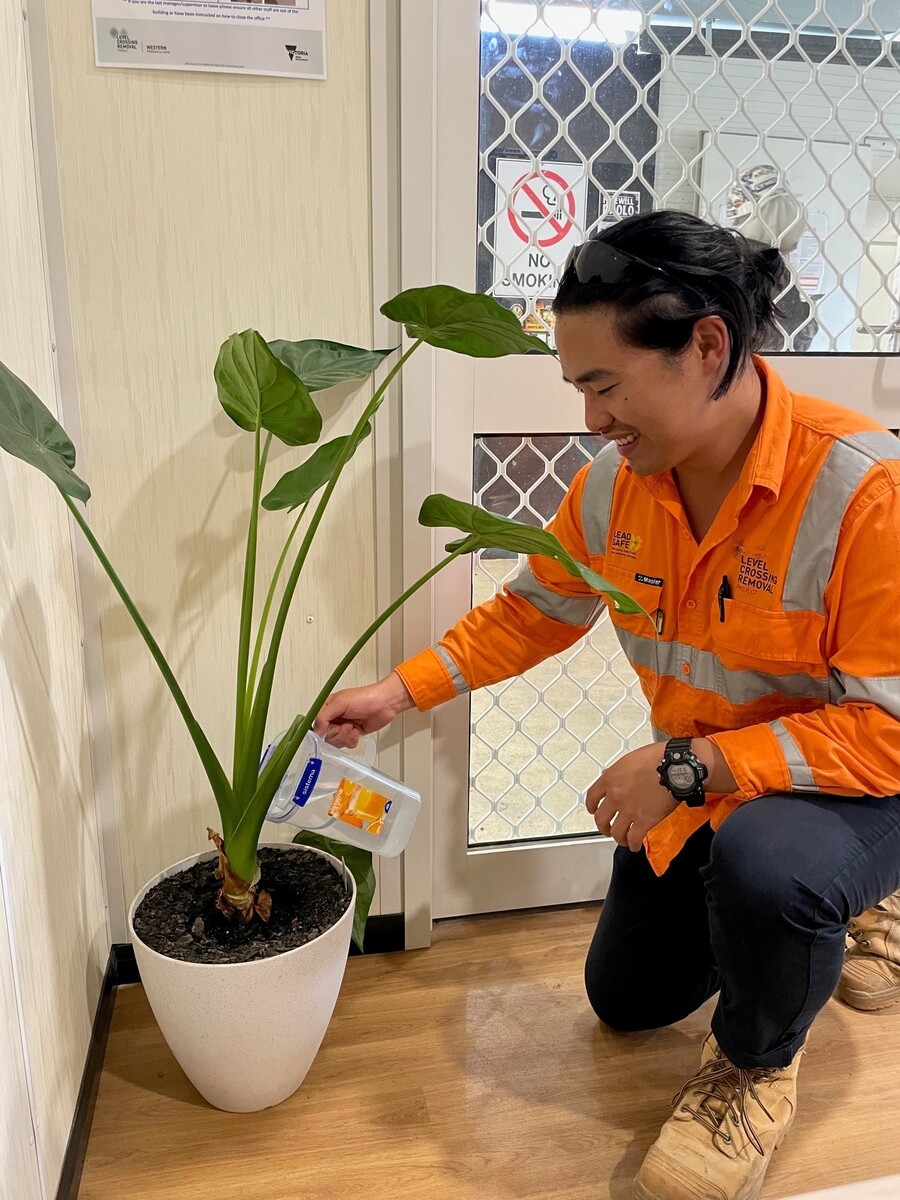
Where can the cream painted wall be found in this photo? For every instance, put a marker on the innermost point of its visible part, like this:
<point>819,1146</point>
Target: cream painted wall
<point>195,205</point>
<point>19,1174</point>
<point>55,941</point>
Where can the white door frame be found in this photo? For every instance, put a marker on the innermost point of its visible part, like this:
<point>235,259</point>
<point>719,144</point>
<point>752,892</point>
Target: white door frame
<point>403,256</point>
<point>439,90</point>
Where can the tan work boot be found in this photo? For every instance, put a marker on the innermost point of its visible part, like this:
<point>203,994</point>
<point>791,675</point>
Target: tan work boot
<point>727,1124</point>
<point>871,976</point>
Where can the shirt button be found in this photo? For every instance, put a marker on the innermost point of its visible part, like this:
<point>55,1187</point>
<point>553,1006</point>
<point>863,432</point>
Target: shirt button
<point>691,604</point>
<point>685,534</point>
<point>685,668</point>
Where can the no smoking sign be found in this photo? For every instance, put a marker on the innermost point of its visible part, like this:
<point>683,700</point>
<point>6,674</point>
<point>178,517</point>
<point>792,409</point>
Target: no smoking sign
<point>540,217</point>
<point>541,208</point>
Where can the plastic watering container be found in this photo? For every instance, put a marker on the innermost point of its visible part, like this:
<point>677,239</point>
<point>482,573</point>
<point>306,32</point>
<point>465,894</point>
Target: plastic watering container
<point>339,794</point>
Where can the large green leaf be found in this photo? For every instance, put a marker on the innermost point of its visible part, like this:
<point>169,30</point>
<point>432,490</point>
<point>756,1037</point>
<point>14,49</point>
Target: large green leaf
<point>322,364</point>
<point>465,322</point>
<point>259,392</point>
<point>28,430</point>
<point>359,863</point>
<point>299,485</point>
<point>486,531</point>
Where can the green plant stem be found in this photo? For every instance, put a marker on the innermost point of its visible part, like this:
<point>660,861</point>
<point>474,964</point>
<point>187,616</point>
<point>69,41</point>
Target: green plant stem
<point>336,675</point>
<point>264,619</point>
<point>240,704</point>
<point>245,778</point>
<point>218,780</point>
<point>242,847</point>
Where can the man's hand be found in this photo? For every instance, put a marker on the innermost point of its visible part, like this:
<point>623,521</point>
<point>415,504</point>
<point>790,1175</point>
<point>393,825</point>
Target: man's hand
<point>346,716</point>
<point>627,800</point>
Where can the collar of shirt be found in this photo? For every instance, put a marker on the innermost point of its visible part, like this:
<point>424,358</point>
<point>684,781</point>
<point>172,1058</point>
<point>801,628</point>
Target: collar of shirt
<point>765,465</point>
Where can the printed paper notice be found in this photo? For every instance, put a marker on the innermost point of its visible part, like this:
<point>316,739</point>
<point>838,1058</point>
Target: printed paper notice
<point>247,37</point>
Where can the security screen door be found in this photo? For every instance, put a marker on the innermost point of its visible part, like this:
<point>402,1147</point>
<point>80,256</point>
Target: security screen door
<point>553,118</point>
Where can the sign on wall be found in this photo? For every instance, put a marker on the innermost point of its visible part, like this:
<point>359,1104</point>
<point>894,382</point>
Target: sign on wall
<point>248,37</point>
<point>540,218</point>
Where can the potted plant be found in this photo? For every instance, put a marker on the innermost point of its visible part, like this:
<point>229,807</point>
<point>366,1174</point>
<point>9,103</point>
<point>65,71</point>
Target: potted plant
<point>242,950</point>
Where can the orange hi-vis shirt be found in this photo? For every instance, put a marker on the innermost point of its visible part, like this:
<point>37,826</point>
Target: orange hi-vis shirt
<point>779,634</point>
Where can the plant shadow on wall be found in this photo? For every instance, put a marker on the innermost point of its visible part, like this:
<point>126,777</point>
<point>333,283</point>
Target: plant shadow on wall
<point>59,759</point>
<point>57,753</point>
<point>278,919</point>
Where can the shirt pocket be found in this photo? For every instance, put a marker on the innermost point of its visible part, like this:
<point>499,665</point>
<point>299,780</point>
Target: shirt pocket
<point>780,643</point>
<point>648,595</point>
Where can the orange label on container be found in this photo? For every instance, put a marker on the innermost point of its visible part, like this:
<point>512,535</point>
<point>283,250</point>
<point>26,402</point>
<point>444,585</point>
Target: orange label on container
<point>360,806</point>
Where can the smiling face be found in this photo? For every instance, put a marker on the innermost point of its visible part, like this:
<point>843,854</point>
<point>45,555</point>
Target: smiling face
<point>656,407</point>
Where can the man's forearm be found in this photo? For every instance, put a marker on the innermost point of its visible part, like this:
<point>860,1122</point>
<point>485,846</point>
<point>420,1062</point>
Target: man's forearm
<point>400,699</point>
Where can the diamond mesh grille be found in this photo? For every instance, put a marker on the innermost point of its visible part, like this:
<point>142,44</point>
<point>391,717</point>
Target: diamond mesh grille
<point>594,110</point>
<point>539,741</point>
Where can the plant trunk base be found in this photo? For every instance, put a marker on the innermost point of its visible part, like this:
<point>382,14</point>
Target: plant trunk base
<point>238,899</point>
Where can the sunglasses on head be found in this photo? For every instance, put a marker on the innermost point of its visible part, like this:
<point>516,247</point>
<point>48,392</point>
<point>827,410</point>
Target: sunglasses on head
<point>596,260</point>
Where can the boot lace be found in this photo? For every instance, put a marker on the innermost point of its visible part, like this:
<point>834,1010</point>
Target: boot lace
<point>721,1090</point>
<point>859,935</point>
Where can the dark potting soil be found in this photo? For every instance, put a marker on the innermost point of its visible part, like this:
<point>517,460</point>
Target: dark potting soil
<point>178,917</point>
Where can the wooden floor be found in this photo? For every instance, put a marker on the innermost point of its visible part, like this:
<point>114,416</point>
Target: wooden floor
<point>472,1071</point>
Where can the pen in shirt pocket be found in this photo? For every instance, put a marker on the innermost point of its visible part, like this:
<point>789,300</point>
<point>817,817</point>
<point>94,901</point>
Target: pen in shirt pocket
<point>724,593</point>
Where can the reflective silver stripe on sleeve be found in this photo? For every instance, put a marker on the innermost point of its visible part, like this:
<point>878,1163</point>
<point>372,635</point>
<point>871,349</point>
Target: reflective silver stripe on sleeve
<point>709,674</point>
<point>596,499</point>
<point>658,735</point>
<point>573,610</point>
<point>462,688</point>
<point>801,774</point>
<point>882,691</point>
<point>877,445</point>
<point>812,555</point>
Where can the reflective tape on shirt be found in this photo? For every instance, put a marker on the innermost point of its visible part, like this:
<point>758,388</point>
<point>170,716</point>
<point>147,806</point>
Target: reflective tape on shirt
<point>572,610</point>
<point>709,674</point>
<point>459,682</point>
<point>882,691</point>
<point>596,499</point>
<point>812,557</point>
<point>800,771</point>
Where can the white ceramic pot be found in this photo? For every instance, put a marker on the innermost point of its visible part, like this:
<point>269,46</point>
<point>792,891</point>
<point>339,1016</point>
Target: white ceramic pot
<point>246,1034</point>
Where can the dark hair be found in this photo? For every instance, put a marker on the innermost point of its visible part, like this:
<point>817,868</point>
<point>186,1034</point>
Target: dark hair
<point>739,278</point>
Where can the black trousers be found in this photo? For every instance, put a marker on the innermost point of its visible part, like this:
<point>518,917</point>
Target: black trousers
<point>756,912</point>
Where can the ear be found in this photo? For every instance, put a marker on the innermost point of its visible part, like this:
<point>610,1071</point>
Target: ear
<point>711,345</point>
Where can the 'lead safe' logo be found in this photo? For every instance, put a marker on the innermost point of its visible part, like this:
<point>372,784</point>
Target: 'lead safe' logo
<point>626,543</point>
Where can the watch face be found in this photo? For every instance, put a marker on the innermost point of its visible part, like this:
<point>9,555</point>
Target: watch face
<point>682,777</point>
